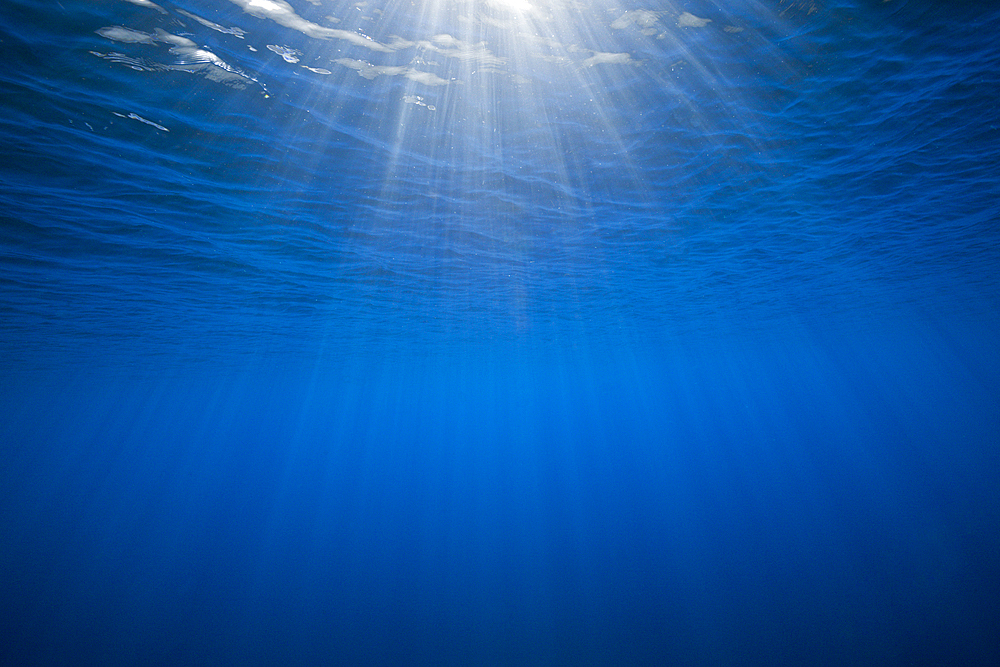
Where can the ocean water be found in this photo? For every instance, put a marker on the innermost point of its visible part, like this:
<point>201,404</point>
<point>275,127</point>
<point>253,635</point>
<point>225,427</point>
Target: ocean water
<point>499,332</point>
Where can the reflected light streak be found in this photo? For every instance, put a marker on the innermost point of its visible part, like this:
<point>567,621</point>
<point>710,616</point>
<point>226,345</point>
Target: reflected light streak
<point>524,84</point>
<point>501,118</point>
<point>520,147</point>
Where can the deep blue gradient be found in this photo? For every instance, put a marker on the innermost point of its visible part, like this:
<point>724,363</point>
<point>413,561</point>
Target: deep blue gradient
<point>482,333</point>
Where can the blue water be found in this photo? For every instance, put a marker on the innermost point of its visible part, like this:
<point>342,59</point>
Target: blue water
<point>499,332</point>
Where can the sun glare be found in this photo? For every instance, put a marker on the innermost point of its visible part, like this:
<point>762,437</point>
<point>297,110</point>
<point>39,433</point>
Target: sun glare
<point>515,5</point>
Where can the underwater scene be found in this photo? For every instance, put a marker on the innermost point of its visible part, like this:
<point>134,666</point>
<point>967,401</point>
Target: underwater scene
<point>499,332</point>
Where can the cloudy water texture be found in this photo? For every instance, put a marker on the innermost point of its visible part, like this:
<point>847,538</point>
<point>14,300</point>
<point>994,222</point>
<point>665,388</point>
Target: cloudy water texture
<point>499,332</point>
